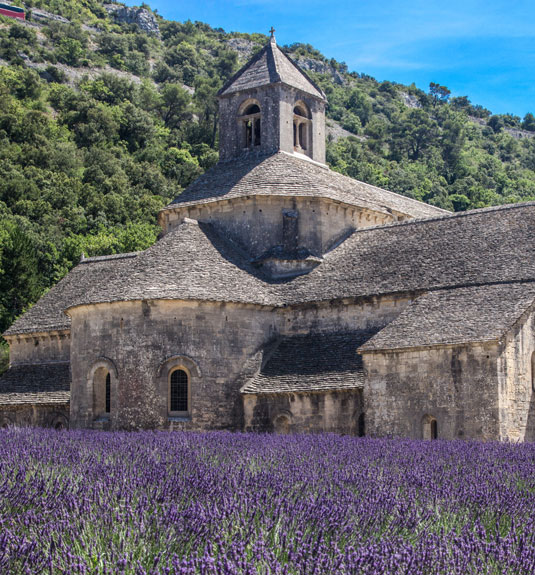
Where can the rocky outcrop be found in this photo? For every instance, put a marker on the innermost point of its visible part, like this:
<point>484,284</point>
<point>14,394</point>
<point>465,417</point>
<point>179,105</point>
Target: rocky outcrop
<point>410,100</point>
<point>144,19</point>
<point>44,16</point>
<point>243,46</point>
<point>313,65</point>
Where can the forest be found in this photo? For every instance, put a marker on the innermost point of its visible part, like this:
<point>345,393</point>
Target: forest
<point>103,122</point>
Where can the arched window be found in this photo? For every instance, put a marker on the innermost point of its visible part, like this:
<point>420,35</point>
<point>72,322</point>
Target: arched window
<point>250,121</point>
<point>101,392</point>
<point>430,427</point>
<point>301,127</point>
<point>179,392</point>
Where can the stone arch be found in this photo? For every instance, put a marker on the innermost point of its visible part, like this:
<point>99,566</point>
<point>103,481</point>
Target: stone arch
<point>59,421</point>
<point>176,361</point>
<point>282,422</point>
<point>429,427</point>
<point>102,381</point>
<point>250,124</point>
<point>173,365</point>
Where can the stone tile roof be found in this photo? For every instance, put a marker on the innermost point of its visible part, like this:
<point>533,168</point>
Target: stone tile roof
<point>48,313</point>
<point>45,383</point>
<point>314,362</point>
<point>457,316</point>
<point>282,174</point>
<point>492,245</point>
<point>191,262</point>
<point>271,66</point>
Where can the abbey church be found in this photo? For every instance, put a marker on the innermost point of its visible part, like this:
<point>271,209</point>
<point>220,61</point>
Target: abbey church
<point>284,297</point>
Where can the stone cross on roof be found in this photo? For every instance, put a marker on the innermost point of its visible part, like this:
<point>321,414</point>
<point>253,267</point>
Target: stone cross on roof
<point>272,32</point>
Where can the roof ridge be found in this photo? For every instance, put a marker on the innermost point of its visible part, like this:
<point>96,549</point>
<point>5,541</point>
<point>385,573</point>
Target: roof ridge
<point>109,257</point>
<point>301,71</point>
<point>233,78</point>
<point>449,215</point>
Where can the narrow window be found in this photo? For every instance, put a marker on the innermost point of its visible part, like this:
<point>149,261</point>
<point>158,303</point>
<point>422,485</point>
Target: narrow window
<point>303,136</point>
<point>101,393</point>
<point>430,427</point>
<point>108,393</point>
<point>302,120</point>
<point>533,371</point>
<point>434,429</point>
<point>178,395</point>
<point>257,132</point>
<point>362,425</point>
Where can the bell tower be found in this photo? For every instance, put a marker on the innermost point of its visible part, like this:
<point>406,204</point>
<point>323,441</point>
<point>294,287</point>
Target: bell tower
<point>271,105</point>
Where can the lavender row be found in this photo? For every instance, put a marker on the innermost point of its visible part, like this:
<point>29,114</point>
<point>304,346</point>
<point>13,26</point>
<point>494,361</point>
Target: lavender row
<point>83,502</point>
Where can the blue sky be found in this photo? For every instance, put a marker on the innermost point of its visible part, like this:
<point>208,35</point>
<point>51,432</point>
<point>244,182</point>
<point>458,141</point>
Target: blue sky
<point>481,49</point>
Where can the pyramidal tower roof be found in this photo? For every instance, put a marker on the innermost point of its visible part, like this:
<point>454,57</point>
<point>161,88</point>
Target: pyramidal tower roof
<point>271,66</point>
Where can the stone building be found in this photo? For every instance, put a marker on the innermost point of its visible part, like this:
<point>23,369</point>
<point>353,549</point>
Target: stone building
<point>282,296</point>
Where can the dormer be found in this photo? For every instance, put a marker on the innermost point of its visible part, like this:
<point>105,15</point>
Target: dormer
<point>271,105</point>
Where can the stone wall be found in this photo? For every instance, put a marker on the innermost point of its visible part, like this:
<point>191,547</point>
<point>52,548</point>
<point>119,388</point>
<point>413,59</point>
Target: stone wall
<point>516,382</point>
<point>458,386</point>
<point>276,104</point>
<point>56,416</point>
<point>255,223</point>
<point>140,342</point>
<point>39,348</point>
<point>336,412</point>
<point>230,131</point>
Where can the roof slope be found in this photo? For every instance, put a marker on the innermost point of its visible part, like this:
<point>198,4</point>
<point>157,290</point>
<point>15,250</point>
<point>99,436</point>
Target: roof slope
<point>47,314</point>
<point>315,362</point>
<point>282,174</point>
<point>46,383</point>
<point>191,262</point>
<point>492,245</point>
<point>271,66</point>
<point>474,314</point>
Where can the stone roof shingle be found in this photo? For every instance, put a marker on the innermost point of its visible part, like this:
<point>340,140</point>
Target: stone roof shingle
<point>282,174</point>
<point>44,384</point>
<point>490,246</point>
<point>191,262</point>
<point>270,66</point>
<point>314,362</point>
<point>457,316</point>
<point>48,312</point>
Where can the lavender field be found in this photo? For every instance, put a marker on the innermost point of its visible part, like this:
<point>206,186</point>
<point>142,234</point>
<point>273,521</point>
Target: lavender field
<point>222,503</point>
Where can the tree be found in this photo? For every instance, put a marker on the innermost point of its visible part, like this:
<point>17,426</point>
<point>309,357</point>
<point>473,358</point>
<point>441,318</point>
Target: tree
<point>438,93</point>
<point>20,283</point>
<point>529,122</point>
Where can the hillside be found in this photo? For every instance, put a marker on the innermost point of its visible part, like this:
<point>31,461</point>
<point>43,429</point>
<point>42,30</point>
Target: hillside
<point>107,113</point>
